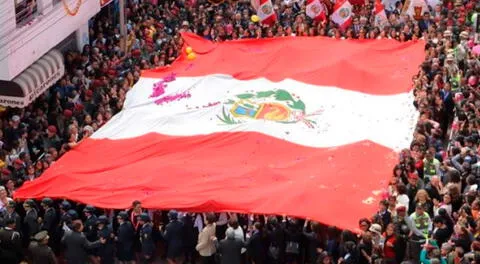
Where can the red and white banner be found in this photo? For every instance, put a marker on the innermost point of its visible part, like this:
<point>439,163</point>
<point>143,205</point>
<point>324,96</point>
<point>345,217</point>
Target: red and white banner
<point>316,10</point>
<point>342,14</point>
<point>415,8</point>
<point>381,19</point>
<point>239,129</point>
<point>266,12</point>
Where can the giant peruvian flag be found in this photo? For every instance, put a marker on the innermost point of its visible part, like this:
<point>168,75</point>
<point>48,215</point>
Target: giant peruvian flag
<point>307,127</point>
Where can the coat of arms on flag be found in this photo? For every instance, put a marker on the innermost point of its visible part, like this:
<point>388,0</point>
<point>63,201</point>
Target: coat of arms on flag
<point>267,9</point>
<point>316,10</point>
<point>272,105</point>
<point>344,12</point>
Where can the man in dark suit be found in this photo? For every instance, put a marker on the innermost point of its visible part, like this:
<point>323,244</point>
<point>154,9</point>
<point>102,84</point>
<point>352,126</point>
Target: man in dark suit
<point>255,245</point>
<point>107,249</point>
<point>173,236</point>
<point>230,249</point>
<point>11,214</point>
<point>49,222</point>
<point>125,238</point>
<point>425,22</point>
<point>10,244</point>
<point>30,222</point>
<point>76,244</point>
<point>90,223</point>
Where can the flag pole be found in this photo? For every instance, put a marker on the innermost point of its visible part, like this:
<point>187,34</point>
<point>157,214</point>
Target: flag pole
<point>123,26</point>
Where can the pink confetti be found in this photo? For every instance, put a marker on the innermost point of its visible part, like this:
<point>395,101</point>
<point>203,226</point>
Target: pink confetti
<point>158,89</point>
<point>174,97</point>
<point>170,78</point>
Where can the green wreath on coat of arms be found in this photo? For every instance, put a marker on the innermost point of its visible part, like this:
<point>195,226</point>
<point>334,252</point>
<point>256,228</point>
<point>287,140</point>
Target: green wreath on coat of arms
<point>272,105</point>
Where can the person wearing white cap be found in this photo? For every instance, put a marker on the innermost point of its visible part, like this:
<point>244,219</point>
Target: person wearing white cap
<point>461,50</point>
<point>377,239</point>
<point>451,66</point>
<point>87,131</point>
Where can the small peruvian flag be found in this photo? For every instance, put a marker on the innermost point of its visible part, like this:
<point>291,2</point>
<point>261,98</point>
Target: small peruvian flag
<point>342,14</point>
<point>266,13</point>
<point>381,19</point>
<point>316,10</point>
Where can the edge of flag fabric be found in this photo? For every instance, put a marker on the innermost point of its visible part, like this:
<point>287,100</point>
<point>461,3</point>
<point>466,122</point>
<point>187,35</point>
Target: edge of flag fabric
<point>238,129</point>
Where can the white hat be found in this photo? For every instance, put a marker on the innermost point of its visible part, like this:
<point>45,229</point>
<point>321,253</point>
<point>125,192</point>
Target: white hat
<point>375,228</point>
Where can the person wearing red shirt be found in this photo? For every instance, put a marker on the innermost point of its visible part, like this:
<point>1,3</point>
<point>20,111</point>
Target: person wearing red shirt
<point>389,247</point>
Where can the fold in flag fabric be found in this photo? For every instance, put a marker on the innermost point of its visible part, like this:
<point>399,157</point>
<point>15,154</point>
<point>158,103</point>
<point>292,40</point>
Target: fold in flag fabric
<point>342,14</point>
<point>307,127</point>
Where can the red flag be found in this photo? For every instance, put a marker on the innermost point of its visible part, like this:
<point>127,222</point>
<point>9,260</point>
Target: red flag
<point>240,128</point>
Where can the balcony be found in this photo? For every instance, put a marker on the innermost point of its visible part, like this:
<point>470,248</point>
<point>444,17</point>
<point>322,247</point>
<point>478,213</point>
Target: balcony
<point>25,11</point>
<point>31,28</point>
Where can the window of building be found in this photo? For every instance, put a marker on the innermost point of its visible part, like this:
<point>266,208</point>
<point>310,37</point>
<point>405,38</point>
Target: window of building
<point>25,11</point>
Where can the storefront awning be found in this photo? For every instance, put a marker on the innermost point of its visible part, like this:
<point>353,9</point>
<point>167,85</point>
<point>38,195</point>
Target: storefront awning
<point>32,82</point>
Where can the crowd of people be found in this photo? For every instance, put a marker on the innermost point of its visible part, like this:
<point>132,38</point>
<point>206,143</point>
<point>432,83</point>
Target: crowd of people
<point>431,209</point>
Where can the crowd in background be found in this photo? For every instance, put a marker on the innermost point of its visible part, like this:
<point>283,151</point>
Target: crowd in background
<point>431,209</point>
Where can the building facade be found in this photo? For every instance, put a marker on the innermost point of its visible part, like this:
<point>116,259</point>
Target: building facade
<point>32,35</point>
